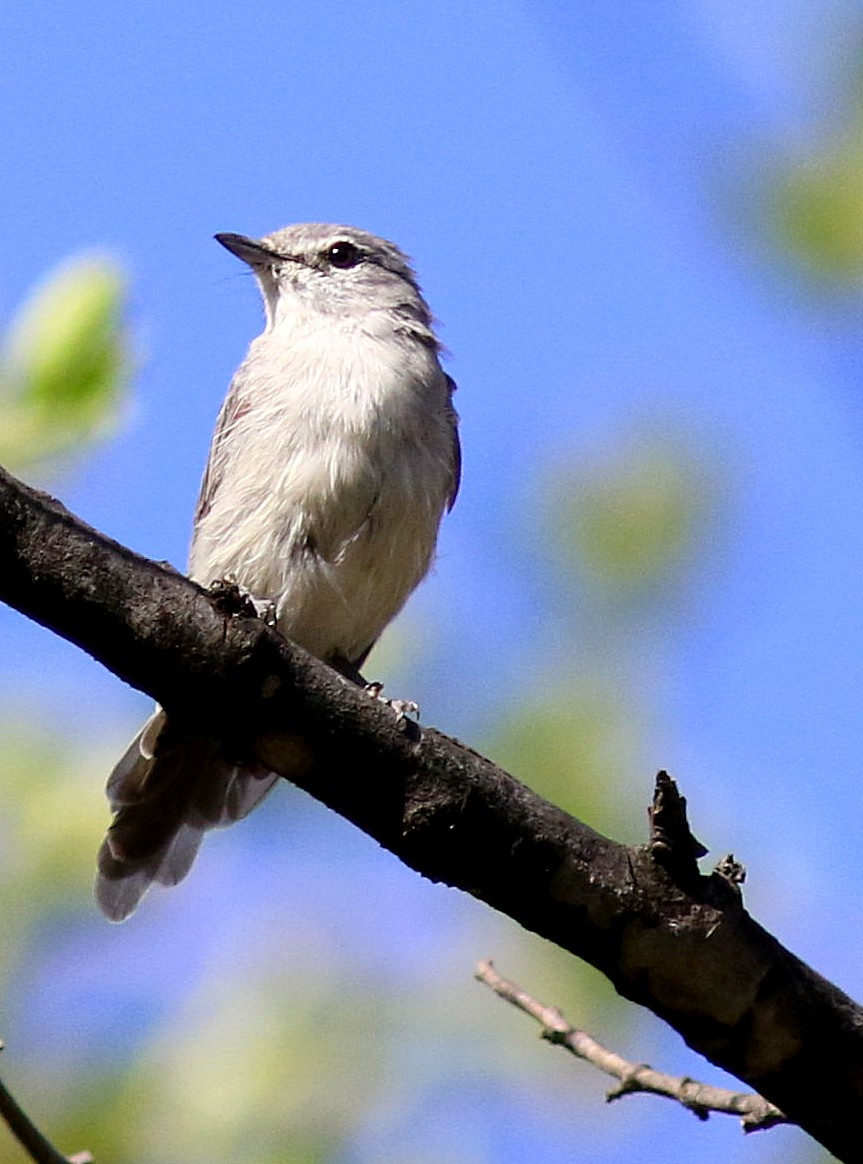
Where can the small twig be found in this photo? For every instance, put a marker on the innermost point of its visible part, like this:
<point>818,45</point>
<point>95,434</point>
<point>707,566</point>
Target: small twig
<point>29,1136</point>
<point>700,1098</point>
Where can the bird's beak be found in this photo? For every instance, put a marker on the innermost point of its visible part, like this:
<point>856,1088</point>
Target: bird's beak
<point>247,249</point>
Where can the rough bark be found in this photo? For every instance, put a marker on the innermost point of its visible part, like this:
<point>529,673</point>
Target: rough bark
<point>669,938</point>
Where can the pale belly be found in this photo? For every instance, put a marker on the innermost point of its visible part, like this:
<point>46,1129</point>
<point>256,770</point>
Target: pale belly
<point>340,564</point>
<point>331,487</point>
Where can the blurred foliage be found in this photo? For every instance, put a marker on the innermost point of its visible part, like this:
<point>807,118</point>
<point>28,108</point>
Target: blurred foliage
<point>630,519</point>
<point>626,528</point>
<point>816,198</point>
<point>64,362</point>
<point>818,210</point>
<point>48,806</point>
<point>572,746</point>
<point>46,825</point>
<point>262,1064</point>
<point>64,368</point>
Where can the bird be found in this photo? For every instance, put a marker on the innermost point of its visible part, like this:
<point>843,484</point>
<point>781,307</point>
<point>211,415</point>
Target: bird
<point>335,455</point>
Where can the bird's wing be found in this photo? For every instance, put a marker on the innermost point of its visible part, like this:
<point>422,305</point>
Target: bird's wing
<point>456,448</point>
<point>233,407</point>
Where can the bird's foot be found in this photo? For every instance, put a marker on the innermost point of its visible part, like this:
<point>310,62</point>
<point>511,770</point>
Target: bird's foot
<point>235,600</point>
<point>402,707</point>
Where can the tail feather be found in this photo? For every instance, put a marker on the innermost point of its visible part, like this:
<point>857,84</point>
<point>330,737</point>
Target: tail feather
<point>246,790</point>
<point>166,792</point>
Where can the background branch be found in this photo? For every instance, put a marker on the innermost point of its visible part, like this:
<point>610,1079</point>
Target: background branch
<point>700,1098</point>
<point>29,1136</point>
<point>682,945</point>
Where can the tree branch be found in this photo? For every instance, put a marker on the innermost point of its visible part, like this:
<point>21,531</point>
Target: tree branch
<point>699,1098</point>
<point>684,946</point>
<point>39,1149</point>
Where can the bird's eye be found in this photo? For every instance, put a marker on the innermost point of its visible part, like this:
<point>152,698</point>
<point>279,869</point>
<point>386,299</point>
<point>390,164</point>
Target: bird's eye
<point>343,255</point>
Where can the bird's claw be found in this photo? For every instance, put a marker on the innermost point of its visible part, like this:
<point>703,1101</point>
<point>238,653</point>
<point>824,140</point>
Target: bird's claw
<point>402,707</point>
<point>237,600</point>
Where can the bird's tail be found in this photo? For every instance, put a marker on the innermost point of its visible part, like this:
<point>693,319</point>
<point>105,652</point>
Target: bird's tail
<point>166,791</point>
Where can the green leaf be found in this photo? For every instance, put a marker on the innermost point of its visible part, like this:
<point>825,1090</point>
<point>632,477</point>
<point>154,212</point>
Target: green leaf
<point>65,362</point>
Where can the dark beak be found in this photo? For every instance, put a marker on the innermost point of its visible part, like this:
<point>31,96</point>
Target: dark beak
<point>247,249</point>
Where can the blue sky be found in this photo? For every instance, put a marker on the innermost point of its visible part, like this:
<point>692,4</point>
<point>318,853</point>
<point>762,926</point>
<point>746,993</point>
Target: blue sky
<point>578,187</point>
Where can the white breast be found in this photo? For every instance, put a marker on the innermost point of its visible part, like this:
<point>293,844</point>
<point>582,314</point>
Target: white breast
<point>334,476</point>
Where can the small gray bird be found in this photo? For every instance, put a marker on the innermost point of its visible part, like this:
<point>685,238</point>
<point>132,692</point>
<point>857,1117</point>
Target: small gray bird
<point>335,455</point>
